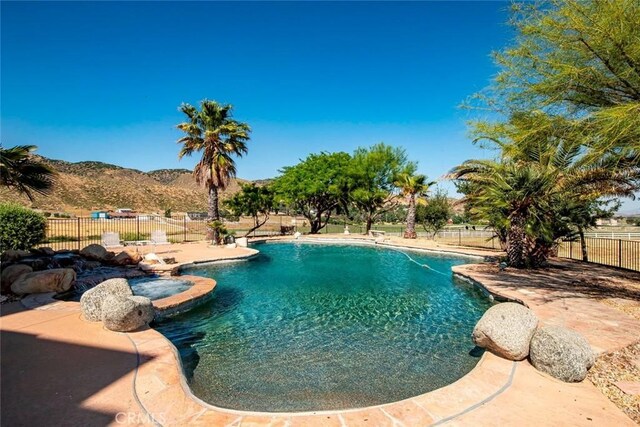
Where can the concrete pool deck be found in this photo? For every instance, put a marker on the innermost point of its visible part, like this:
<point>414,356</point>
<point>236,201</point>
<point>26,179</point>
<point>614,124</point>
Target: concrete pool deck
<point>189,254</point>
<point>60,370</point>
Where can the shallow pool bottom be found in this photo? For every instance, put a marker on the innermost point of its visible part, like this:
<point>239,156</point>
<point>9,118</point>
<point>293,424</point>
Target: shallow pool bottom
<point>155,288</point>
<point>316,327</point>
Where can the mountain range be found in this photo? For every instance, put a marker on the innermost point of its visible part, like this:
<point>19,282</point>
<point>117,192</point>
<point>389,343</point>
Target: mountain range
<point>85,186</point>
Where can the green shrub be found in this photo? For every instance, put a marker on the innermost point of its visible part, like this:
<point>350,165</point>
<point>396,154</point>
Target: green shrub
<point>20,228</point>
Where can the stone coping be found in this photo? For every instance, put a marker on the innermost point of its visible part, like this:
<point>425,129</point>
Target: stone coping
<point>172,305</point>
<point>489,378</point>
<point>238,254</point>
<point>163,392</point>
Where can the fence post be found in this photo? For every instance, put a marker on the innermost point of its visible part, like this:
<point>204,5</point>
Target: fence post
<point>79,233</point>
<point>184,227</point>
<point>137,227</point>
<point>459,237</point>
<point>620,253</point>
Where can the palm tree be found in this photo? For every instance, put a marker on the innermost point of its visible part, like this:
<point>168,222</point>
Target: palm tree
<point>20,170</point>
<point>412,185</point>
<point>213,132</point>
<point>522,193</point>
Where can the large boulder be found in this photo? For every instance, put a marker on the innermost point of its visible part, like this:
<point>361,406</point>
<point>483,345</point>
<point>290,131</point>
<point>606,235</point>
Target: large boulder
<point>91,302</point>
<point>96,253</point>
<point>55,280</point>
<point>506,330</point>
<point>562,353</point>
<point>127,258</point>
<point>127,314</point>
<point>12,273</point>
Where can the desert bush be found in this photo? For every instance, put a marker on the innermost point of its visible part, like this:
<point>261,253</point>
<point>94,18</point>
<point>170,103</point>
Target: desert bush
<point>20,228</point>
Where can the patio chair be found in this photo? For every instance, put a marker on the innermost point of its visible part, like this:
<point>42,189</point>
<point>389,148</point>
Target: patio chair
<point>159,237</point>
<point>111,239</point>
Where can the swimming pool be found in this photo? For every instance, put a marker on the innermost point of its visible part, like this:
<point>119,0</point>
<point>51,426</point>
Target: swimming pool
<point>305,327</point>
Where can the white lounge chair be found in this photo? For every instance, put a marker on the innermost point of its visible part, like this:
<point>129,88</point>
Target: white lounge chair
<point>159,237</point>
<point>111,239</point>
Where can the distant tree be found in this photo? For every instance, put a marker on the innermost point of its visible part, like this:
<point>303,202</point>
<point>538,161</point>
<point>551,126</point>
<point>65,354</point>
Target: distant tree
<point>21,171</point>
<point>412,185</point>
<point>372,176</point>
<point>574,218</point>
<point>435,212</point>
<point>254,201</point>
<point>167,213</point>
<point>212,131</point>
<point>315,187</point>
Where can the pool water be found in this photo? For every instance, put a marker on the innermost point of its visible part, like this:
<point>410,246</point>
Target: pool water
<point>305,327</point>
<point>154,287</point>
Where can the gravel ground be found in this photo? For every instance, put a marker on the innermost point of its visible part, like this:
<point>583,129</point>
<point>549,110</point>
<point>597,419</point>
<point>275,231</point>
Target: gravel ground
<point>623,365</point>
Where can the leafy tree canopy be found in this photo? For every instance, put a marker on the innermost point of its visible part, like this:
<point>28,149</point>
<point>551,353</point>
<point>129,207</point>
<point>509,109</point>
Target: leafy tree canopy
<point>373,173</point>
<point>315,186</point>
<point>254,201</point>
<point>577,61</point>
<point>435,212</point>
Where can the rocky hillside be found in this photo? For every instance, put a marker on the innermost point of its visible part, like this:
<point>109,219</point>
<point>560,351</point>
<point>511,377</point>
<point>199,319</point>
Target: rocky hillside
<point>85,186</point>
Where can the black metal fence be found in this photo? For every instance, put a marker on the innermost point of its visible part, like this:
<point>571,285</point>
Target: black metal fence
<point>75,233</point>
<point>612,252</point>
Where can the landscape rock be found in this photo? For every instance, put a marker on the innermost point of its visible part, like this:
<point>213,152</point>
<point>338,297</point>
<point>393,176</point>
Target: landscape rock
<point>127,314</point>
<point>562,353</point>
<point>127,258</point>
<point>506,330</point>
<point>10,274</point>
<point>96,253</point>
<point>48,251</point>
<point>55,280</point>
<point>14,255</point>
<point>92,301</point>
<point>90,265</point>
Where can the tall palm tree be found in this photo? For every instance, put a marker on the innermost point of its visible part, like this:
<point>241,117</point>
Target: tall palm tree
<point>412,185</point>
<point>219,137</point>
<point>20,170</point>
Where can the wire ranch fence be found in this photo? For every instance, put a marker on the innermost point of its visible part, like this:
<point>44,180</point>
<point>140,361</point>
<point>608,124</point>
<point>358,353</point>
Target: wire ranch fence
<point>76,233</point>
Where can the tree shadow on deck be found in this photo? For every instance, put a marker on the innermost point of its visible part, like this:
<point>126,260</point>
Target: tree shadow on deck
<point>46,382</point>
<point>567,279</point>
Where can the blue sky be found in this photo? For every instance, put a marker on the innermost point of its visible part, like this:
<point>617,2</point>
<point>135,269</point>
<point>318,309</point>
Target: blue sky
<point>103,80</point>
